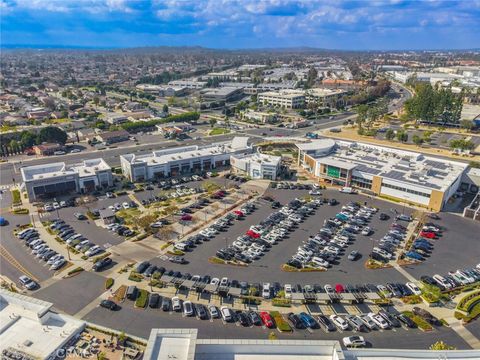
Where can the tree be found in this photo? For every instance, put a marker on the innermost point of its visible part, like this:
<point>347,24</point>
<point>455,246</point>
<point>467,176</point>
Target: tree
<point>212,122</point>
<point>402,136</point>
<point>28,139</point>
<point>145,221</point>
<point>417,140</point>
<point>462,144</point>
<point>440,345</point>
<point>362,113</point>
<point>52,134</point>
<point>272,336</point>
<point>165,108</point>
<point>467,124</point>
<point>390,134</point>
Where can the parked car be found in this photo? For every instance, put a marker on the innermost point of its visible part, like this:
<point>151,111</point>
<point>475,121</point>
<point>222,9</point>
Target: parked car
<point>354,341</point>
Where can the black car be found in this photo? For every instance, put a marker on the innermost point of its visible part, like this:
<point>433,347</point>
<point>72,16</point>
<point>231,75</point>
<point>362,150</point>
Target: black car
<point>332,202</point>
<point>254,318</point>
<point>150,270</point>
<point>294,263</point>
<point>108,304</point>
<point>384,216</point>
<point>243,319</point>
<point>153,300</point>
<point>201,311</point>
<point>296,321</point>
<point>406,321</point>
<point>166,304</point>
<point>393,321</point>
<point>276,205</point>
<point>142,267</point>
<point>101,264</point>
<point>325,323</point>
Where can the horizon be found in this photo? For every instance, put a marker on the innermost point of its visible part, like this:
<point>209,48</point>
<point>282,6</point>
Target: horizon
<point>385,25</point>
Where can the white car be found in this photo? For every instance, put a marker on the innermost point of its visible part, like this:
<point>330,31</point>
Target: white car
<point>73,151</point>
<point>320,262</point>
<point>384,291</point>
<point>93,250</point>
<point>288,291</point>
<point>224,281</point>
<point>413,288</point>
<point>54,258</point>
<point>368,322</point>
<point>188,308</point>
<point>366,231</point>
<point>379,321</point>
<point>109,195</point>
<point>176,305</point>
<point>442,281</point>
<point>212,309</point>
<point>48,207</point>
<point>266,291</point>
<point>354,341</point>
<point>329,289</point>
<point>215,281</point>
<point>314,192</point>
<point>56,205</point>
<point>339,322</point>
<point>58,264</point>
<point>125,205</point>
<point>226,313</point>
<point>27,283</point>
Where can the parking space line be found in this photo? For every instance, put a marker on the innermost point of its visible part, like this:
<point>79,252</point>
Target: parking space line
<point>9,257</point>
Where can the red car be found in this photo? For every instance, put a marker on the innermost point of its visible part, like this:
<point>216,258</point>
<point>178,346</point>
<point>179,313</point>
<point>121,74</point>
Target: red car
<point>186,217</point>
<point>428,234</point>
<point>339,288</point>
<point>266,319</point>
<point>253,234</point>
<point>239,213</point>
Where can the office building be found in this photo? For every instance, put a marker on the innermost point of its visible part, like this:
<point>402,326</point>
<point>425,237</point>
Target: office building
<point>188,84</point>
<point>258,116</point>
<point>183,344</point>
<point>290,99</point>
<point>55,179</point>
<point>182,160</point>
<point>324,97</point>
<point>396,174</point>
<point>30,330</point>
<point>222,93</point>
<point>257,165</point>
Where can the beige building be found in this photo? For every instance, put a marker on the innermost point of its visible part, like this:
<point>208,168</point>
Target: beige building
<point>290,99</point>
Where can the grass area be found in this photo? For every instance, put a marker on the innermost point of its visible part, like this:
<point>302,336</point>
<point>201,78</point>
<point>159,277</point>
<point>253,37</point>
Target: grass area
<point>16,197</point>
<point>100,257</point>
<point>119,294</point>
<point>218,131</point>
<point>176,252</point>
<point>281,302</point>
<point>135,277</point>
<point>469,301</point>
<point>57,121</point>
<point>129,215</point>
<point>282,324</point>
<point>412,299</point>
<point>142,298</point>
<point>109,283</point>
<point>216,260</point>
<point>421,323</point>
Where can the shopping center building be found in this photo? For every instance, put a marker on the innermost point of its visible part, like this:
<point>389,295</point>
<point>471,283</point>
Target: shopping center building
<point>406,176</point>
<point>257,165</point>
<point>48,180</point>
<point>182,160</point>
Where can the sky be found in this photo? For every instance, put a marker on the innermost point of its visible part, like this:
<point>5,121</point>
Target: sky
<point>234,24</point>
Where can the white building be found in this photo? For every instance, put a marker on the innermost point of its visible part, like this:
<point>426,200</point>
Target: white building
<point>258,116</point>
<point>325,97</point>
<point>290,99</point>
<point>189,84</point>
<point>257,165</point>
<point>30,328</point>
<point>182,160</point>
<point>49,180</point>
<point>183,344</point>
<point>387,172</point>
<point>116,118</point>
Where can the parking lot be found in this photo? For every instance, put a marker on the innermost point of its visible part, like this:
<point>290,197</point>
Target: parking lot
<point>139,322</point>
<point>268,268</point>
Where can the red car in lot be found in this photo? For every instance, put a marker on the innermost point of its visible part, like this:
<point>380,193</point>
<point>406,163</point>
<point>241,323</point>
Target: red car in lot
<point>266,319</point>
<point>253,234</point>
<point>186,217</point>
<point>339,288</point>
<point>239,213</point>
<point>428,234</point>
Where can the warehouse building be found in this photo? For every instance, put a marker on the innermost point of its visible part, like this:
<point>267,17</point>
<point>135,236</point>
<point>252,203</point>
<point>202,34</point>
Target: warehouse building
<point>396,174</point>
<point>55,179</point>
<point>182,160</point>
<point>257,165</point>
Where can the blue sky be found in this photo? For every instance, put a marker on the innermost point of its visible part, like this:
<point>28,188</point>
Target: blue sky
<point>333,24</point>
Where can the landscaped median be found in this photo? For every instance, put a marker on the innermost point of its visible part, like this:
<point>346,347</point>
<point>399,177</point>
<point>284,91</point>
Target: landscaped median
<point>470,307</point>
<point>16,197</point>
<point>142,299</point>
<point>216,260</point>
<point>421,323</point>
<point>21,211</point>
<point>288,268</point>
<point>282,324</point>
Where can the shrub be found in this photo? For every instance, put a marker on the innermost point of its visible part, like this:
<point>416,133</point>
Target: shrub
<point>282,325</point>
<point>469,301</point>
<point>100,257</point>
<point>281,302</point>
<point>109,283</point>
<point>176,252</point>
<point>421,323</point>
<point>75,271</point>
<point>142,298</point>
<point>16,197</point>
<point>21,211</point>
<point>135,277</point>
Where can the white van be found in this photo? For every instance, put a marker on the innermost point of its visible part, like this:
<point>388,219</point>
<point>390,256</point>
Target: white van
<point>347,190</point>
<point>181,246</point>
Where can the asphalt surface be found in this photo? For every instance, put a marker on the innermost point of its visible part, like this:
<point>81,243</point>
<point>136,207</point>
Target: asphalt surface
<point>140,322</point>
<point>268,267</point>
<point>73,294</point>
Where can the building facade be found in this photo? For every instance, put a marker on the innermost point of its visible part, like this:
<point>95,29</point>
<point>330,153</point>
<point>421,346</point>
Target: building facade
<point>290,99</point>
<point>182,160</point>
<point>257,165</point>
<point>49,180</point>
<point>399,175</point>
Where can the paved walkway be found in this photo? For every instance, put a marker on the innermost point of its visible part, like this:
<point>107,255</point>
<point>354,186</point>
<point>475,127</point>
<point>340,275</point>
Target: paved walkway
<point>464,333</point>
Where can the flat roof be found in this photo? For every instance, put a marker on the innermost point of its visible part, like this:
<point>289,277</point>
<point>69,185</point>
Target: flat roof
<point>287,94</point>
<point>29,326</point>
<point>261,158</point>
<point>188,152</point>
<point>52,170</point>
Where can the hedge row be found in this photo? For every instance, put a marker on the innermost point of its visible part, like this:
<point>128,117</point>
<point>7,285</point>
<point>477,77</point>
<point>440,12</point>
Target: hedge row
<point>462,304</point>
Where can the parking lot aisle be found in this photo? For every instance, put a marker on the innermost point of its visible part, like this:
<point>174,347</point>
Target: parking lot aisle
<point>465,334</point>
<point>12,261</point>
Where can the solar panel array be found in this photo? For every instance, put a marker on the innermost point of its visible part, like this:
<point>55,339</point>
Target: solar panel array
<point>436,164</point>
<point>367,169</point>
